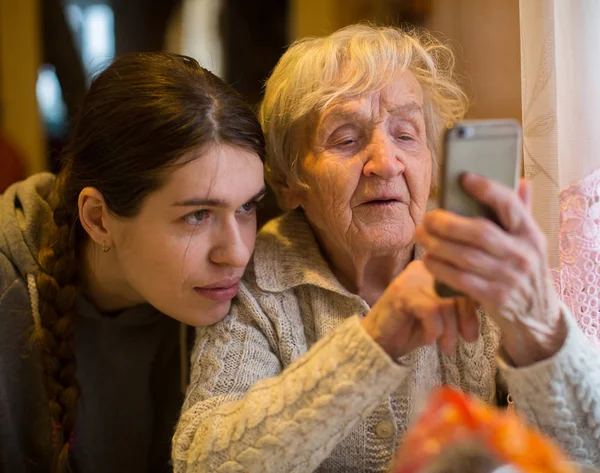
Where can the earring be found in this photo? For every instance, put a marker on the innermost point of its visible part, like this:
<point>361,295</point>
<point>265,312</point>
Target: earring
<point>105,247</point>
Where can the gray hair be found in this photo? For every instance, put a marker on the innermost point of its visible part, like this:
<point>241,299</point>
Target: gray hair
<point>354,61</point>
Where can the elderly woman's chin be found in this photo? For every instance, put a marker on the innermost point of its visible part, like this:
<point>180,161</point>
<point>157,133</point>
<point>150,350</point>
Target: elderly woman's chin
<point>384,231</point>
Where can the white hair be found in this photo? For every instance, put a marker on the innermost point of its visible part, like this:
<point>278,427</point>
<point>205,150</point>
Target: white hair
<point>354,61</point>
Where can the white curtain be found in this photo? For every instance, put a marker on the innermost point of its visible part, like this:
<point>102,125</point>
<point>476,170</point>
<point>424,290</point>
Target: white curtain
<point>560,73</point>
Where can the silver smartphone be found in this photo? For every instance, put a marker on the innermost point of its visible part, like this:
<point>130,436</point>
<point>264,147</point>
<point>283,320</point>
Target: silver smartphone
<point>490,148</point>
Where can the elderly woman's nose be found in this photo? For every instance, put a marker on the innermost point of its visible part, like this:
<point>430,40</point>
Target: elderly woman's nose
<point>383,158</point>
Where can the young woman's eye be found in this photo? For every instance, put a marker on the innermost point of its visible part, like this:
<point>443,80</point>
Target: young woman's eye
<point>196,217</point>
<point>248,207</point>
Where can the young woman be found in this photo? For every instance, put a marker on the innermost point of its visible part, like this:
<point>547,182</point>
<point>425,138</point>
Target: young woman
<point>149,224</point>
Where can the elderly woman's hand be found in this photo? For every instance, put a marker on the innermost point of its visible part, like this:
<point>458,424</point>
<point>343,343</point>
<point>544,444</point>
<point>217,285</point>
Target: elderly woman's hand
<point>504,269</point>
<point>410,314</point>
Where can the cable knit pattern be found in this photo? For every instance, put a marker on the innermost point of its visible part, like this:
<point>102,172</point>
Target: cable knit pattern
<point>569,409</point>
<point>290,381</point>
<point>259,432</point>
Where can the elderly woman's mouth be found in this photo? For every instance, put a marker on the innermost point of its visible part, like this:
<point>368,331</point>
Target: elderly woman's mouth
<point>383,203</point>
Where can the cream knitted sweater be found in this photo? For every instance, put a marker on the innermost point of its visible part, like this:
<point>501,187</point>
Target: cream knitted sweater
<point>290,382</point>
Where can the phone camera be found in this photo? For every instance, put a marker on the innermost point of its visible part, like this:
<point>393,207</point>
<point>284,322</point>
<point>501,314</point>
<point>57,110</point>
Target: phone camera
<point>464,132</point>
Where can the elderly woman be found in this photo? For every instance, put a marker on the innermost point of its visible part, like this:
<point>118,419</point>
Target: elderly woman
<point>337,333</point>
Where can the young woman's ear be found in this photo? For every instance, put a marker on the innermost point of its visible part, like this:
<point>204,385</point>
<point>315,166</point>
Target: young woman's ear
<point>93,215</point>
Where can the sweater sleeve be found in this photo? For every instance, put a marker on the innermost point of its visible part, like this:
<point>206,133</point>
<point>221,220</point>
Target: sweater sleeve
<point>561,395</point>
<point>244,413</point>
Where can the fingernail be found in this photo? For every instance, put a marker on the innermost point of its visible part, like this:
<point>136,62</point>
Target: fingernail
<point>468,177</point>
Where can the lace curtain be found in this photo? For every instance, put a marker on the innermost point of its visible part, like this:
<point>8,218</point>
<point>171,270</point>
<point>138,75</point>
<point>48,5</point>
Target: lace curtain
<point>560,74</point>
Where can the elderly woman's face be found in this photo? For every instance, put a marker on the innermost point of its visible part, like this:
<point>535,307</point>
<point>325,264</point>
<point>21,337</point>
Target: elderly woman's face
<point>369,169</point>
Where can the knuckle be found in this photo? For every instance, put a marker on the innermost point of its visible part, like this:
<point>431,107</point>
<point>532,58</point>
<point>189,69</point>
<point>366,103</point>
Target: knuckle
<point>432,218</point>
<point>471,258</point>
<point>461,281</point>
<point>435,246</point>
<point>432,335</point>
<point>501,295</point>
<point>485,228</point>
<point>522,262</point>
<point>513,278</point>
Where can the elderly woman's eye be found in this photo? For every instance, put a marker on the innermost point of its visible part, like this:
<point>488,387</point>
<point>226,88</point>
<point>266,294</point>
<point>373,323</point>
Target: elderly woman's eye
<point>405,137</point>
<point>346,142</point>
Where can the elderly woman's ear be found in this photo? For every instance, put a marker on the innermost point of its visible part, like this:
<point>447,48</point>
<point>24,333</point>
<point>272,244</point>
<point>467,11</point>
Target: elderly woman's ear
<point>288,193</point>
<point>290,196</point>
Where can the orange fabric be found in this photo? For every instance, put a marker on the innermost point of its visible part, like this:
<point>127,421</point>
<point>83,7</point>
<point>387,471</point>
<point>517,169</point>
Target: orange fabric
<point>452,418</point>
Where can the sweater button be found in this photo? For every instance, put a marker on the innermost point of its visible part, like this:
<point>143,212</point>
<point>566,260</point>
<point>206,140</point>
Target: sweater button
<point>384,429</point>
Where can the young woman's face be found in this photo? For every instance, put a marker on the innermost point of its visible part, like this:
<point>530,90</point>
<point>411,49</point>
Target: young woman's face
<point>186,250</point>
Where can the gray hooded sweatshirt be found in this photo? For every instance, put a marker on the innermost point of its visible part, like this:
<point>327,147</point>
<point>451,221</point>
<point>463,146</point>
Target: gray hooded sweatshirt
<point>128,365</point>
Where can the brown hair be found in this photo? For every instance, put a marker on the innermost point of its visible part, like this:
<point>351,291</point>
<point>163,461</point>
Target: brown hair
<point>140,116</point>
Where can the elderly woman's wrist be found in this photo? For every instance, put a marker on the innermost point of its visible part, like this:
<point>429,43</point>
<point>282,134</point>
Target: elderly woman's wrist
<point>524,348</point>
<point>387,343</point>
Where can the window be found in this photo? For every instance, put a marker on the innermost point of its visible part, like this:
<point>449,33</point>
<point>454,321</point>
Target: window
<point>92,26</point>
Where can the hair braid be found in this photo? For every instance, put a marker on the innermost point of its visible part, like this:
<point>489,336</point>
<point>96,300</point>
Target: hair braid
<point>56,286</point>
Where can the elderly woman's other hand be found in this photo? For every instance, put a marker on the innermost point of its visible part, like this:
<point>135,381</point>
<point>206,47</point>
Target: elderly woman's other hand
<point>503,268</point>
<point>410,314</point>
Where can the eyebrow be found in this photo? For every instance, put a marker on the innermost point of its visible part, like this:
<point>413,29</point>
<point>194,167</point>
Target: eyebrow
<point>341,114</point>
<point>409,108</point>
<point>199,202</point>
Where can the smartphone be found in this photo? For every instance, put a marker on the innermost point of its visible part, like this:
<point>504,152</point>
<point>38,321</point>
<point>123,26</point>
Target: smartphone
<point>490,148</point>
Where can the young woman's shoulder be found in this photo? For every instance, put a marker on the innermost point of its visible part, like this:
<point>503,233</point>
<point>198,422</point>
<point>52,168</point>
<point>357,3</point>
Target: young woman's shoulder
<point>23,410</point>
<point>10,278</point>
<point>24,211</point>
<point>15,302</point>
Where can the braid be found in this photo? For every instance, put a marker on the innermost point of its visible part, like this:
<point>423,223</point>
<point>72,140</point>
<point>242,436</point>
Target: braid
<point>56,286</point>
